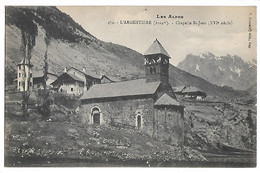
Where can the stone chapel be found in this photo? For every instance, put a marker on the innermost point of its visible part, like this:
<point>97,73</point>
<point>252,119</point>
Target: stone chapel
<point>148,104</point>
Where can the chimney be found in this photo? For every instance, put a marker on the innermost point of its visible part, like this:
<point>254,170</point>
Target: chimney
<point>65,69</point>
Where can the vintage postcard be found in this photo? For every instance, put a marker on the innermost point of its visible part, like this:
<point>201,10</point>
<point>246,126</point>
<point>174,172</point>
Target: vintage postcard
<point>130,86</point>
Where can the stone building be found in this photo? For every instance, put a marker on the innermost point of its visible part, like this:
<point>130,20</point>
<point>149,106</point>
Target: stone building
<point>24,76</point>
<point>69,84</point>
<point>88,77</point>
<point>75,82</point>
<point>29,78</point>
<point>38,79</point>
<point>190,92</point>
<point>148,105</point>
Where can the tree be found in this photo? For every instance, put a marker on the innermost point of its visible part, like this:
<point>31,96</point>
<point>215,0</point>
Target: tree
<point>28,42</point>
<point>44,105</point>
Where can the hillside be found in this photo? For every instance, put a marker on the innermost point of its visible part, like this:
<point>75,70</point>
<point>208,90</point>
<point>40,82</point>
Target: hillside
<point>63,140</point>
<point>71,45</point>
<point>226,70</point>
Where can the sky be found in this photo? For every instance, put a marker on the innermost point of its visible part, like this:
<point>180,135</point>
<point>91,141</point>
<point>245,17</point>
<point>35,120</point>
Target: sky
<point>178,39</point>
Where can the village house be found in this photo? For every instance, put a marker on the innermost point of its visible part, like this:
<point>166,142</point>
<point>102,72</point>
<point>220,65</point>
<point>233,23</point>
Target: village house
<point>190,92</point>
<point>38,79</point>
<point>178,90</point>
<point>24,76</point>
<point>32,78</point>
<point>69,84</point>
<point>75,82</point>
<point>195,93</point>
<point>148,104</point>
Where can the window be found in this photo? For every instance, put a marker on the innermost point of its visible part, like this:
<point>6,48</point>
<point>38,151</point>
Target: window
<point>71,89</point>
<point>19,67</point>
<point>30,74</point>
<point>19,83</point>
<point>38,86</point>
<point>138,121</point>
<point>30,83</point>
<point>61,90</point>
<point>19,74</point>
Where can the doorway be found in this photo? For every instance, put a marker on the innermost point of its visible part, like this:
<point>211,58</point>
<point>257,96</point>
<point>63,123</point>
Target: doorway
<point>96,116</point>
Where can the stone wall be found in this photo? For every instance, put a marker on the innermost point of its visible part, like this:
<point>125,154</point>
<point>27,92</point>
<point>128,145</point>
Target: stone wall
<point>123,111</point>
<point>162,123</point>
<point>170,124</point>
<point>74,88</point>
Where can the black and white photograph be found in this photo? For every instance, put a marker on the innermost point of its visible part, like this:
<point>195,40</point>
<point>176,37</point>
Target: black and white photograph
<point>130,86</point>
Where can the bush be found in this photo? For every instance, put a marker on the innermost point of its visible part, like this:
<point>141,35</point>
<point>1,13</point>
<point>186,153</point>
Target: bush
<point>65,100</point>
<point>43,103</point>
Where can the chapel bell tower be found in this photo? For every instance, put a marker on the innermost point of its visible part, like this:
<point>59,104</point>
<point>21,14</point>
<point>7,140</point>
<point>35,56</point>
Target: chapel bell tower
<point>156,63</point>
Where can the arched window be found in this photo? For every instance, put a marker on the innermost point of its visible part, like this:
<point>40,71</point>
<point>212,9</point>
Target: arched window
<point>138,121</point>
<point>95,113</point>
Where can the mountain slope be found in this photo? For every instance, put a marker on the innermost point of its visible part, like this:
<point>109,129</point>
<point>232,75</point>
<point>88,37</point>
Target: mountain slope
<point>180,77</point>
<point>71,45</point>
<point>226,70</point>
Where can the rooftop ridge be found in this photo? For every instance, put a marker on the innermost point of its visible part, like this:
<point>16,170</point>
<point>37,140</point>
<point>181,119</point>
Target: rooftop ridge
<point>156,48</point>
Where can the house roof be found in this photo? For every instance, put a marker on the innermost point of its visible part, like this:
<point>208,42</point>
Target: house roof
<point>166,100</point>
<point>66,77</point>
<point>25,61</point>
<point>156,48</point>
<point>39,73</point>
<point>191,89</point>
<point>111,78</point>
<point>88,73</point>
<point>121,89</point>
<point>179,88</point>
<point>75,77</point>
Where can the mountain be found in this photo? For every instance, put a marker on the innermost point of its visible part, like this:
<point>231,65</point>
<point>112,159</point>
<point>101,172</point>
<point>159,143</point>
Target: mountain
<point>226,70</point>
<point>70,45</point>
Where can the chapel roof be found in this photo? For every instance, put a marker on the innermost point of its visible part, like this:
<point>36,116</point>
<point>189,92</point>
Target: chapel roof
<point>156,48</point>
<point>166,100</point>
<point>121,89</point>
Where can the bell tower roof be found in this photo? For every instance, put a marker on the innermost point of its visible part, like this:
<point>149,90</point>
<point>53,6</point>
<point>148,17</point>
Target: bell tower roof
<point>156,48</point>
